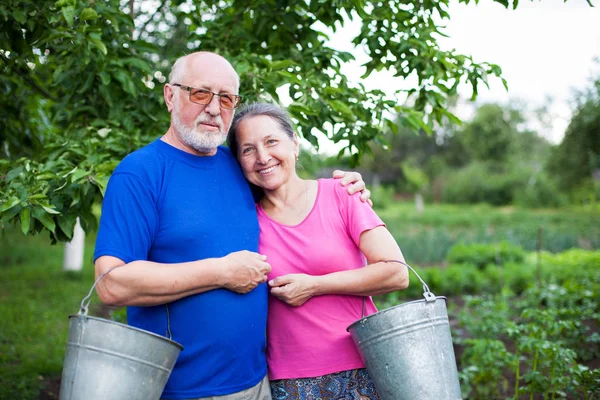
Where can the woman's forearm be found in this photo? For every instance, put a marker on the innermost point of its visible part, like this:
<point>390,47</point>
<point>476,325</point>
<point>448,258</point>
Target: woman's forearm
<point>372,280</point>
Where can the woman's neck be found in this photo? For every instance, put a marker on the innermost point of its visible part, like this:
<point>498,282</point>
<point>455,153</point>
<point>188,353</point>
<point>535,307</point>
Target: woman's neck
<point>288,195</point>
<point>290,205</point>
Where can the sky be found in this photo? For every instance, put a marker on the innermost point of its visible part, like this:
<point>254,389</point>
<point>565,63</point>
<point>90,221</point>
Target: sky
<point>545,48</point>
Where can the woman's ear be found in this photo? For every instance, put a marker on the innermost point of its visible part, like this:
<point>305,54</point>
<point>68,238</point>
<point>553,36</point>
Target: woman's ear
<point>296,146</point>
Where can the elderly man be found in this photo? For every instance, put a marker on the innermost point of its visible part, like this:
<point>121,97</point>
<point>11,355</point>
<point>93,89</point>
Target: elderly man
<point>179,215</point>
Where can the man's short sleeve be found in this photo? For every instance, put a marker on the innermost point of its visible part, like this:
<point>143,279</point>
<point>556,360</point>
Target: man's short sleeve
<point>129,219</point>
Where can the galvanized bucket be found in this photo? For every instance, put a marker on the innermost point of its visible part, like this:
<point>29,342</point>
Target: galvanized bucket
<point>109,360</point>
<point>408,350</point>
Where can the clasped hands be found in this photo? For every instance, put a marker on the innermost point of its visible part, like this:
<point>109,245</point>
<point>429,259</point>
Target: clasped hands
<point>246,270</point>
<point>294,289</point>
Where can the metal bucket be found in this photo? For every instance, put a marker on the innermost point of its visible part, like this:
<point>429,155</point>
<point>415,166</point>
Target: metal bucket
<point>109,360</point>
<point>408,351</point>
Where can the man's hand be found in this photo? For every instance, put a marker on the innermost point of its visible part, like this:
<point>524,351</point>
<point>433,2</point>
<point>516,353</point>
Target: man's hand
<point>245,270</point>
<point>357,184</point>
<point>294,289</point>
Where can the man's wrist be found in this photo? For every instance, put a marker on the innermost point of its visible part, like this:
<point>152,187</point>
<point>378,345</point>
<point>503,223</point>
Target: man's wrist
<point>220,269</point>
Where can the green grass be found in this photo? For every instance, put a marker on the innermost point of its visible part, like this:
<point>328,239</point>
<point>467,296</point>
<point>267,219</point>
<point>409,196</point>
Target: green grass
<point>428,237</point>
<point>36,299</point>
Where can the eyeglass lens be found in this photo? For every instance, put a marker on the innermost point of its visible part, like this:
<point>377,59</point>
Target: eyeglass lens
<point>205,97</point>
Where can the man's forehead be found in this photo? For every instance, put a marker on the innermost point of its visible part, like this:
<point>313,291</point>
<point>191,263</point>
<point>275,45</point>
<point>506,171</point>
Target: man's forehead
<point>212,72</point>
<point>213,82</point>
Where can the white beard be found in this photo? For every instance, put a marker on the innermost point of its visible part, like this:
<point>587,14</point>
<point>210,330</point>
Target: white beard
<point>201,140</point>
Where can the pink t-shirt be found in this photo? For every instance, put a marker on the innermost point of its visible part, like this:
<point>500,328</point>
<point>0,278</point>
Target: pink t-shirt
<point>311,340</point>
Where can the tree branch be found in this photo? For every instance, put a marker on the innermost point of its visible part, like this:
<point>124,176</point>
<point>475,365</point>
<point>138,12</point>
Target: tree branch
<point>25,76</point>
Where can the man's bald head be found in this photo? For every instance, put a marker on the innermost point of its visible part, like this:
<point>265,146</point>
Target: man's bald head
<point>199,61</point>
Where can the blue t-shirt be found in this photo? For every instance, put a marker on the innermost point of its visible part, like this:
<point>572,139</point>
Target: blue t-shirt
<point>168,206</point>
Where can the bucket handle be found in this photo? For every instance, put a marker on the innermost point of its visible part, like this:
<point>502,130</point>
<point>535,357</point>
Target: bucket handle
<point>429,297</point>
<point>85,303</point>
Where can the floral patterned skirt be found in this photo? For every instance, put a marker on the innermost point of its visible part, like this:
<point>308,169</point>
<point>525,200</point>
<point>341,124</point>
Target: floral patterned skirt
<point>355,384</point>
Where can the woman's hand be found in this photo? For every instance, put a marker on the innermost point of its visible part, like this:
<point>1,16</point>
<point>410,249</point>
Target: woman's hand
<point>294,289</point>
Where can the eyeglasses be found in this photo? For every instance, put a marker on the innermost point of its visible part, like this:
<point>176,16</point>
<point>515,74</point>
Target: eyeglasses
<point>204,97</point>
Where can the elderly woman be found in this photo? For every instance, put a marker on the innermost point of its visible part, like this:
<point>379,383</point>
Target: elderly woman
<point>316,239</point>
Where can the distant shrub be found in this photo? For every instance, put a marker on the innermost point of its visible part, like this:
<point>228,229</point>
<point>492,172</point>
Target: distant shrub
<point>479,183</point>
<point>586,193</point>
<point>572,269</point>
<point>482,182</point>
<point>574,264</point>
<point>518,277</point>
<point>383,196</point>
<point>543,193</point>
<point>480,254</point>
<point>463,279</point>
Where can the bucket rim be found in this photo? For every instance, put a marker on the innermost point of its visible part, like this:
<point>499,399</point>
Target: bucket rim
<point>378,313</point>
<point>129,327</point>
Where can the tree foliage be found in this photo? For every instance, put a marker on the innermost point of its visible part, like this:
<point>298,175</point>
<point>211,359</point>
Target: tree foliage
<point>488,136</point>
<point>82,83</point>
<point>577,158</point>
<point>492,158</point>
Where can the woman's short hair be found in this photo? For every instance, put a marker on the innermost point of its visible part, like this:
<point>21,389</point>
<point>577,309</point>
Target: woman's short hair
<point>276,113</point>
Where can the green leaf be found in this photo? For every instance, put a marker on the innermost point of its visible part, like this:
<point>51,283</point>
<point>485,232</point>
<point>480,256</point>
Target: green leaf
<point>13,173</point>
<point>128,85</point>
<point>67,225</point>
<point>96,42</point>
<point>289,77</point>
<point>282,64</point>
<point>64,3</point>
<point>77,175</point>
<point>300,108</point>
<point>10,214</point>
<point>25,220</point>
<point>69,14</point>
<point>45,176</point>
<point>19,16</point>
<point>342,108</point>
<point>101,182</point>
<point>105,77</point>
<point>50,210</point>
<point>88,14</point>
<point>45,218</point>
<point>137,63</point>
<point>8,204</point>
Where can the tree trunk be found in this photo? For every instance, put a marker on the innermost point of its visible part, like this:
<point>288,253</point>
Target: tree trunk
<point>74,250</point>
<point>419,203</point>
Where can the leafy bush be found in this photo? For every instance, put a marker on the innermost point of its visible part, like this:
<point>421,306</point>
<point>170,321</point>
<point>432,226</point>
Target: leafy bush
<point>427,237</point>
<point>574,264</point>
<point>538,339</point>
<point>519,277</point>
<point>569,269</point>
<point>543,193</point>
<point>383,196</point>
<point>483,182</point>
<point>483,377</point>
<point>479,183</point>
<point>480,254</point>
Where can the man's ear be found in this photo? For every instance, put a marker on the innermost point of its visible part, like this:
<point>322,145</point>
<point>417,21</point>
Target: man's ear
<point>168,94</point>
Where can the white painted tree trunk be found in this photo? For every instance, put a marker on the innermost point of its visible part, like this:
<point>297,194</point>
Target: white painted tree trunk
<point>74,250</point>
<point>419,203</point>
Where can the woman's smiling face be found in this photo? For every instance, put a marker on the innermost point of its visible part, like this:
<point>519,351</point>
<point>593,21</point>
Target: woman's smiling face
<point>266,152</point>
